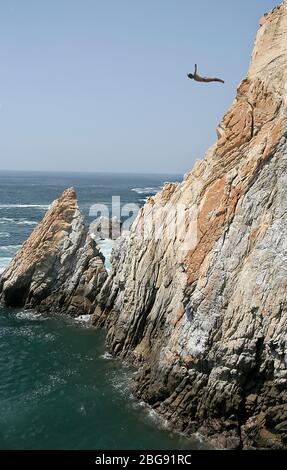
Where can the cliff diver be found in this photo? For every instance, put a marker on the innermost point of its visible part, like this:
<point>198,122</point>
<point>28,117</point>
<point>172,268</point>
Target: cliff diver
<point>198,78</point>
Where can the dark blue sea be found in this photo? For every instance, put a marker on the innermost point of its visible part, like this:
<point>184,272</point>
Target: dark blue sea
<point>59,389</point>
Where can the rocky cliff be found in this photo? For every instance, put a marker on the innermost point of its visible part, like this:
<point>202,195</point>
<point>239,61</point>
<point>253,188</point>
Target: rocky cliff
<point>59,267</point>
<point>207,323</point>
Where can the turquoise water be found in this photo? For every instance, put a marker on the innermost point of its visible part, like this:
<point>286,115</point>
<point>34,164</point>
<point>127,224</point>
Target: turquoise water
<point>58,387</point>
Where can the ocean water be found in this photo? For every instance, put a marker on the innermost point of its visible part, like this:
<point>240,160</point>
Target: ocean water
<point>59,389</point>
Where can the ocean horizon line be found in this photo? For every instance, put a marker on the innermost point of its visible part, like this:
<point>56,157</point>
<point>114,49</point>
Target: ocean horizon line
<point>79,172</point>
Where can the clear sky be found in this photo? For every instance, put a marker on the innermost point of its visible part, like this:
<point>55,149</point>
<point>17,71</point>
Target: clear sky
<point>100,85</point>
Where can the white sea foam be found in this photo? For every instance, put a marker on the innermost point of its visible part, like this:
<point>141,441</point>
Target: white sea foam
<point>8,220</point>
<point>148,190</point>
<point>151,414</point>
<point>24,206</point>
<point>10,247</point>
<point>107,356</point>
<point>6,255</point>
<point>106,247</point>
<point>4,262</point>
<point>121,382</point>
<point>83,318</point>
<point>5,235</point>
<point>30,315</point>
<point>26,222</point>
<point>9,250</point>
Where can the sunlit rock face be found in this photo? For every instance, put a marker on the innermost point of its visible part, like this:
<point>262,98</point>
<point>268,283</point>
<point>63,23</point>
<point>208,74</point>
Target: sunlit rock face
<point>207,322</point>
<point>59,267</point>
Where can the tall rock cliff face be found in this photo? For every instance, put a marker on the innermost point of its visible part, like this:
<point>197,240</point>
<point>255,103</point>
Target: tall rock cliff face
<point>59,267</point>
<point>208,324</point>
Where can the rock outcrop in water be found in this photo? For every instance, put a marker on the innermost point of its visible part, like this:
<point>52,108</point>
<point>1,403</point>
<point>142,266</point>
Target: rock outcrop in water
<point>208,325</point>
<point>59,267</point>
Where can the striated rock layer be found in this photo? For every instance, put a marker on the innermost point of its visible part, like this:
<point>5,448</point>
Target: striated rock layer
<point>59,268</point>
<point>208,323</point>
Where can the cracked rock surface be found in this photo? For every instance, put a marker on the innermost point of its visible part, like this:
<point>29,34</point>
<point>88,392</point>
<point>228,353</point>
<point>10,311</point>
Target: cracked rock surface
<point>59,267</point>
<point>207,325</point>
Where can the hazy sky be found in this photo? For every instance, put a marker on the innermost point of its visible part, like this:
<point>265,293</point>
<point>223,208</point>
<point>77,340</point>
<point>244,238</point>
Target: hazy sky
<point>100,85</point>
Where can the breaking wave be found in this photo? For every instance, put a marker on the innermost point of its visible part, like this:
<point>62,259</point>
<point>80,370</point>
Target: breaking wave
<point>148,190</point>
<point>9,250</point>
<point>8,220</point>
<point>106,246</point>
<point>4,262</point>
<point>83,318</point>
<point>30,315</point>
<point>107,356</point>
<point>24,206</point>
<point>5,235</point>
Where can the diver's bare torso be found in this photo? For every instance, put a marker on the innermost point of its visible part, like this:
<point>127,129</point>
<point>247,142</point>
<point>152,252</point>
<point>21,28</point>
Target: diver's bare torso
<point>198,78</point>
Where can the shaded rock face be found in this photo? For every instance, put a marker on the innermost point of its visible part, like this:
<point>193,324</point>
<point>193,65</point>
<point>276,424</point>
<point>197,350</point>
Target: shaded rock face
<point>59,267</point>
<point>208,324</point>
